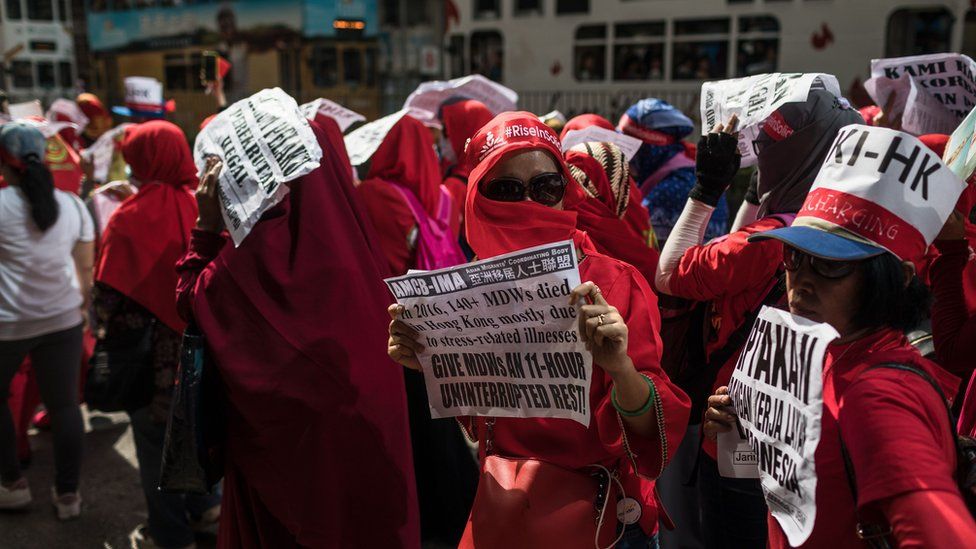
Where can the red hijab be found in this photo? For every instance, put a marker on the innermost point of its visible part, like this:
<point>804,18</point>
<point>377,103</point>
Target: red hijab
<point>585,121</point>
<point>461,121</point>
<point>495,228</point>
<point>296,320</point>
<point>602,212</point>
<point>150,231</point>
<point>407,157</point>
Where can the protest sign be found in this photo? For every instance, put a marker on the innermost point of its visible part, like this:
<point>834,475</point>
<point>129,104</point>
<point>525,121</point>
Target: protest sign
<point>777,393</point>
<point>103,151</point>
<point>426,100</point>
<point>628,145</point>
<point>736,456</point>
<point>264,141</point>
<point>960,152</point>
<point>754,98</point>
<point>343,116</point>
<point>364,140</point>
<point>25,109</point>
<point>500,336</point>
<point>932,93</point>
<point>67,110</point>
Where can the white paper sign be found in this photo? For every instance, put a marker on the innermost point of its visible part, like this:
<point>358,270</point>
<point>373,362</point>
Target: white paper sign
<point>47,128</point>
<point>628,145</point>
<point>933,92</point>
<point>960,151</point>
<point>25,109</point>
<point>264,141</point>
<point>736,456</point>
<point>500,336</point>
<point>754,98</point>
<point>777,392</point>
<point>343,116</point>
<point>68,109</point>
<point>142,90</point>
<point>426,100</point>
<point>364,140</point>
<point>102,150</point>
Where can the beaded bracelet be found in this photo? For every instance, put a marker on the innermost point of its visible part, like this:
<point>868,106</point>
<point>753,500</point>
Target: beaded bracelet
<point>643,409</point>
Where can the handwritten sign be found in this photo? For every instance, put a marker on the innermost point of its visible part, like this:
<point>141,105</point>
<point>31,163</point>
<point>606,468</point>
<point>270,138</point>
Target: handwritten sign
<point>500,336</point>
<point>777,392</point>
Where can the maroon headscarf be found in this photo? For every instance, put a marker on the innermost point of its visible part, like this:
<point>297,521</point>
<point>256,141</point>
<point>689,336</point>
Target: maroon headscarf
<point>295,318</point>
<point>585,121</point>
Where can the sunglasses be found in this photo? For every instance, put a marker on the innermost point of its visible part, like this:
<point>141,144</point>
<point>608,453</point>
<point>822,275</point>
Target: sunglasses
<point>824,268</point>
<point>545,188</point>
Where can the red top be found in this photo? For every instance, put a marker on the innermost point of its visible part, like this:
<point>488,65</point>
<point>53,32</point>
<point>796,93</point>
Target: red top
<point>896,429</point>
<point>150,231</point>
<point>295,319</point>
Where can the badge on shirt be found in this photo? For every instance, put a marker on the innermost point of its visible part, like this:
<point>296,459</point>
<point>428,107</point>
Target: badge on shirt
<point>628,511</point>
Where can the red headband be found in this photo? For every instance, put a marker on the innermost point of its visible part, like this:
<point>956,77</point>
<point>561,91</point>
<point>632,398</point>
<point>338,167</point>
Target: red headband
<point>647,135</point>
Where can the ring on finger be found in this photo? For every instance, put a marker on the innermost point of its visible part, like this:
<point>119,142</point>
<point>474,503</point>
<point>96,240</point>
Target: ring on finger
<point>601,318</point>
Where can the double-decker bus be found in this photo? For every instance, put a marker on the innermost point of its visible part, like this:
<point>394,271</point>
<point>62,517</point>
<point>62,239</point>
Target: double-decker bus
<point>601,55</point>
<point>37,49</point>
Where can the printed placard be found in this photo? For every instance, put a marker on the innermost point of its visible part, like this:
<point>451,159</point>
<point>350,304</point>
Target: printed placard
<point>102,151</point>
<point>68,109</point>
<point>754,98</point>
<point>342,116</point>
<point>777,392</point>
<point>142,91</point>
<point>26,109</point>
<point>501,338</point>
<point>264,141</point>
<point>426,100</point>
<point>364,140</point>
<point>736,456</point>
<point>960,152</point>
<point>628,145</point>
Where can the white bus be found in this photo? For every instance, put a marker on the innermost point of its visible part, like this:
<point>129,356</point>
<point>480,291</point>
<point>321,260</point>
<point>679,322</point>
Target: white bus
<point>37,49</point>
<point>602,55</point>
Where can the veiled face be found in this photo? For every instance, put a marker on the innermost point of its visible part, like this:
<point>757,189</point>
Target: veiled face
<point>524,165</point>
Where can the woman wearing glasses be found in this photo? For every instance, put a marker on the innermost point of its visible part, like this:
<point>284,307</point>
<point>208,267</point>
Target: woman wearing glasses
<point>883,404</point>
<point>518,198</point>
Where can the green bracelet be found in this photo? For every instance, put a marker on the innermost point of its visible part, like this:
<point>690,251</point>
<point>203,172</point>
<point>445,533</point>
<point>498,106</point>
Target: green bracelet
<point>643,409</point>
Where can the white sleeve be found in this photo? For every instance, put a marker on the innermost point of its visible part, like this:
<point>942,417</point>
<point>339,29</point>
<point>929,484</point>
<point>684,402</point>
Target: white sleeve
<point>746,215</point>
<point>687,232</point>
<point>87,231</point>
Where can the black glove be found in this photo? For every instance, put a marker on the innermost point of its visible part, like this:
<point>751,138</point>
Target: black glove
<point>715,166</point>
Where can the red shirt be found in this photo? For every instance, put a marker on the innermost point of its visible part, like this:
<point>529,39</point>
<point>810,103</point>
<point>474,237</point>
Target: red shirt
<point>895,427</point>
<point>734,275</point>
<point>567,443</point>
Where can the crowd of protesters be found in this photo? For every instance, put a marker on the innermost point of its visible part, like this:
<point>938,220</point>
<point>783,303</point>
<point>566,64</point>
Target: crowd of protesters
<point>327,437</point>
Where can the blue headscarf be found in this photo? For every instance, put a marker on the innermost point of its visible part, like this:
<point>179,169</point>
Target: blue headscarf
<point>658,116</point>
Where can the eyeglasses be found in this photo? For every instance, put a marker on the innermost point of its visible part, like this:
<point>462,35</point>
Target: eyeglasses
<point>545,188</point>
<point>825,268</point>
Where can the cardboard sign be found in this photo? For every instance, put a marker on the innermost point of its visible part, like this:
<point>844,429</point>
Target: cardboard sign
<point>754,98</point>
<point>364,140</point>
<point>628,145</point>
<point>264,141</point>
<point>426,100</point>
<point>342,116</point>
<point>777,393</point>
<point>500,336</point>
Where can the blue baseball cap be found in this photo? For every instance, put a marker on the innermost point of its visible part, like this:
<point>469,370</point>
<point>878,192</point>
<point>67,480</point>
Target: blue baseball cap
<point>827,243</point>
<point>18,141</point>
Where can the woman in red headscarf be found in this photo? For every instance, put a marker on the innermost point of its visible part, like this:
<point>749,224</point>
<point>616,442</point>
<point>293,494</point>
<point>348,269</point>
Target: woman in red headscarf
<point>404,169</point>
<point>317,453</point>
<point>602,171</point>
<point>135,279</point>
<point>99,119</point>
<point>584,121</point>
<point>636,410</point>
<point>461,119</point>
<point>402,193</point>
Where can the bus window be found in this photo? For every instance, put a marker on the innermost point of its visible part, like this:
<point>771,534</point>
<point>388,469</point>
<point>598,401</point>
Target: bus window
<point>565,7</point>
<point>455,56</point>
<point>174,71</point>
<point>487,54</point>
<point>486,9</point>
<point>916,31</point>
<point>23,74</point>
<point>757,47</point>
<point>528,7</point>
<point>45,75</point>
<point>13,10</point>
<point>701,49</point>
<point>352,67</point>
<point>323,66</point>
<point>371,56</point>
<point>62,10</point>
<point>638,51</point>
<point>64,74</point>
<point>590,53</point>
<point>40,10</point>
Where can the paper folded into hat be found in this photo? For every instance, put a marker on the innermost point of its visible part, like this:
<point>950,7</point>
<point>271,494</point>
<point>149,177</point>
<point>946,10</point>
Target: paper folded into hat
<point>144,97</point>
<point>878,190</point>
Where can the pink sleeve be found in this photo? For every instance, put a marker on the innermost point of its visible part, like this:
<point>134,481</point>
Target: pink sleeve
<point>728,266</point>
<point>953,329</point>
<point>637,304</point>
<point>929,519</point>
<point>204,247</point>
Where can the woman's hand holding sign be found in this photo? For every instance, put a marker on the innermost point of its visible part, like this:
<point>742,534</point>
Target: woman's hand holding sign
<point>720,416</point>
<point>403,346</point>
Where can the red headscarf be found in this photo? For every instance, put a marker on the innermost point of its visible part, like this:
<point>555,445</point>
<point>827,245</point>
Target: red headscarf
<point>585,121</point>
<point>495,228</point>
<point>150,231</point>
<point>602,215</point>
<point>407,157</point>
<point>99,119</point>
<point>295,318</point>
<point>461,121</point>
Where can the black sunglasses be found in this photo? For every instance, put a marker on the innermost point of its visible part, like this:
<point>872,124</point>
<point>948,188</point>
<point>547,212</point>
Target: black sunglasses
<point>545,188</point>
<point>825,268</point>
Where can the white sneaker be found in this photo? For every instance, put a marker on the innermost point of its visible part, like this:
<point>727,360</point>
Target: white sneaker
<point>67,505</point>
<point>16,496</point>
